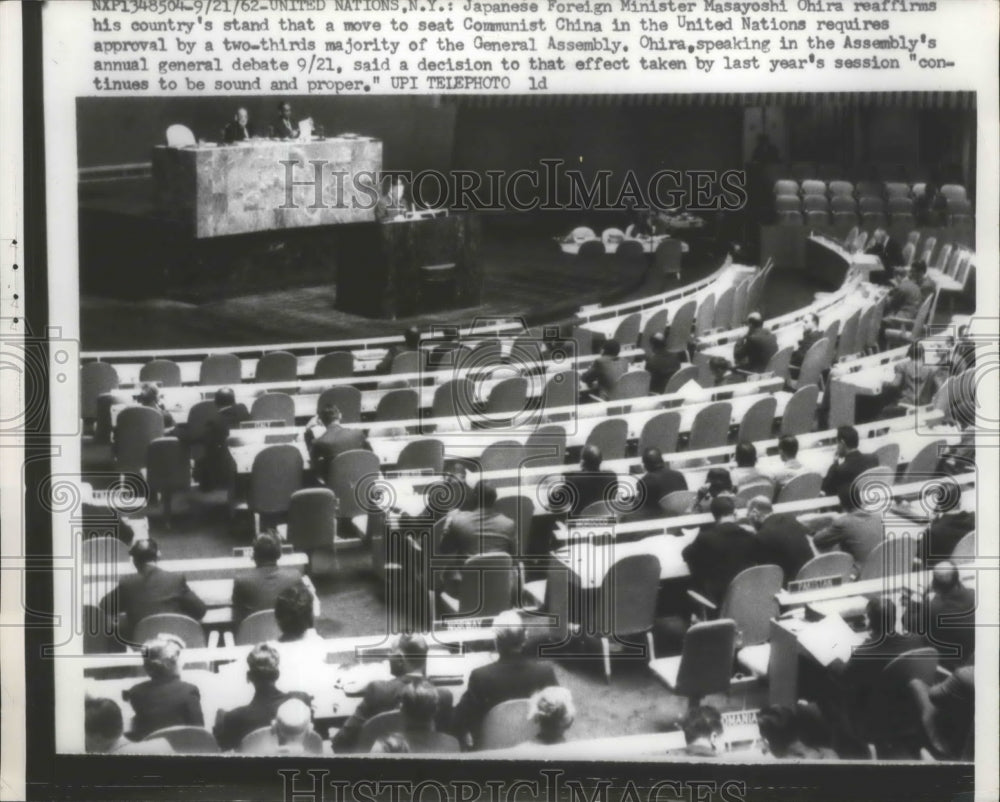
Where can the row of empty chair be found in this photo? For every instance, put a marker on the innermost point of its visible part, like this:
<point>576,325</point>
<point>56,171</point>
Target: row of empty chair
<point>888,190</point>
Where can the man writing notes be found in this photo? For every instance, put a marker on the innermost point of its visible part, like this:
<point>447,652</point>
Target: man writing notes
<point>238,129</point>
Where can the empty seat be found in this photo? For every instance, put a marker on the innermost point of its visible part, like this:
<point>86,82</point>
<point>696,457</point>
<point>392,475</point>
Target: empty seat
<point>667,257</point>
<point>758,420</point>
<point>661,431</point>
<point>843,203</point>
<point>277,366</point>
<point>815,203</point>
<point>786,186</point>
<point>813,186</point>
<point>705,664</point>
<point>799,416</point>
<point>184,627</point>
<point>790,218</point>
<point>787,203</point>
<point>839,187</point>
<point>817,218</point>
<point>800,488</point>
<point>681,325</point>
<point>335,365</point>
<point>422,455</point>
<point>710,428</point>
<point>627,332</point>
<point>897,189</point>
<point>899,205</point>
<point>96,378</point>
<point>179,136</point>
<point>832,564</point>
<point>135,428</point>
<point>274,407</point>
<point>276,474</point>
<point>684,375</point>
<point>954,192</point>
<point>168,470</point>
<point>633,384</point>
<point>397,405</point>
<point>610,436</point>
<point>220,369</point>
<point>163,372</point>
<point>508,397</point>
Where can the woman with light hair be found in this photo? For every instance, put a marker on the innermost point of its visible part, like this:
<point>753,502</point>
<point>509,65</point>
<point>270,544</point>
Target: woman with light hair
<point>553,711</point>
<point>164,700</point>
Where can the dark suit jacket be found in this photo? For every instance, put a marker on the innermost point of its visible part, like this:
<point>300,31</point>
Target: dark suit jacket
<point>718,554</point>
<point>809,338</point>
<point>216,469</point>
<point>944,534</point>
<point>478,532</point>
<point>604,373</point>
<point>590,486</point>
<point>754,351</point>
<point>230,728</point>
<point>381,696</point>
<point>335,441</point>
<point>285,129</point>
<point>843,473</point>
<point>661,367</point>
<point>164,703</point>
<point>257,588</point>
<point>783,542</point>
<point>510,677</point>
<point>949,619</point>
<point>156,591</point>
<point>874,706</point>
<point>855,533</point>
<point>234,132</point>
<point>656,484</point>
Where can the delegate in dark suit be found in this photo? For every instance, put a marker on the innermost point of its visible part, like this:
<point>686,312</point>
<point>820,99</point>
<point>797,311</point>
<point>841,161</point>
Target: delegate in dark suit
<point>783,542</point>
<point>234,132</point>
<point>719,553</point>
<point>856,532</point>
<point>947,615</point>
<point>753,352</point>
<point>944,534</point>
<point>844,471</point>
<point>165,702</point>
<point>382,696</point>
<point>661,366</point>
<point>232,726</point>
<point>217,469</point>
<point>257,588</point>
<point>588,487</point>
<point>149,592</point>
<point>512,676</point>
<point>656,484</point>
<point>335,441</point>
<point>478,532</point>
<point>604,374</point>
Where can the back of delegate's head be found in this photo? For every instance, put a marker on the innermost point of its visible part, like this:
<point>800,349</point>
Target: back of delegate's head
<point>144,552</point>
<point>722,506</point>
<point>746,454</point>
<point>263,664</point>
<point>652,459</point>
<point>611,348</point>
<point>552,709</point>
<point>777,727</point>
<point>103,724</point>
<point>409,654</point>
<point>292,721</point>
<point>161,656</point>
<point>293,611</point>
<point>788,446</point>
<point>509,632</point>
<point>266,549</point>
<point>701,722</point>
<point>418,703</point>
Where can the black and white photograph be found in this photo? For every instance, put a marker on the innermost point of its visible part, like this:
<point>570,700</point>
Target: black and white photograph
<point>508,444</point>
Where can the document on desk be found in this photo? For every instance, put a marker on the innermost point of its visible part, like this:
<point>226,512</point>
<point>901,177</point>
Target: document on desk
<point>829,639</point>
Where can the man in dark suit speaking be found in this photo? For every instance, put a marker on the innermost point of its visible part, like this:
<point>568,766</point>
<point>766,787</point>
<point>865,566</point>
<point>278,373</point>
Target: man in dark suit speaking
<point>149,591</point>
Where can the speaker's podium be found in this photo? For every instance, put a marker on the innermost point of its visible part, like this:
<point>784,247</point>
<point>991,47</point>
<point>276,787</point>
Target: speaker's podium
<point>424,262</point>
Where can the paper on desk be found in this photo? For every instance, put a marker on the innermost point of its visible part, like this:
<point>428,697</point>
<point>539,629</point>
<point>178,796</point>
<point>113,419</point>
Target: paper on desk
<point>828,639</point>
<point>691,390</point>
